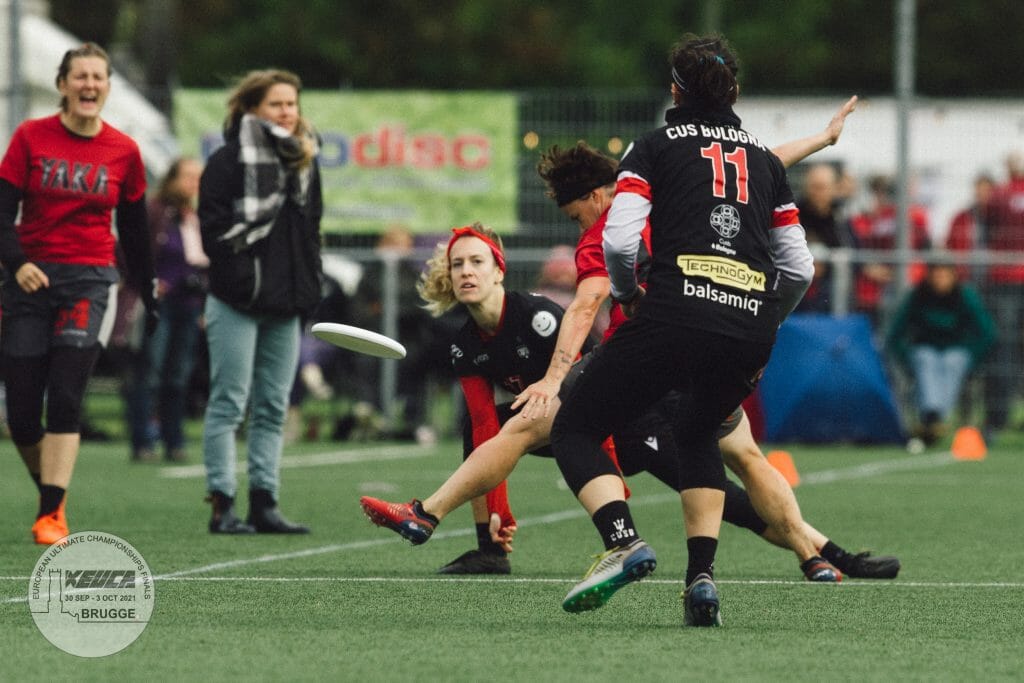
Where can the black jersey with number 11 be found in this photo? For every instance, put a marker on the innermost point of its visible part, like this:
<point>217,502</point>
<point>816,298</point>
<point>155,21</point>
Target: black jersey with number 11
<point>715,194</point>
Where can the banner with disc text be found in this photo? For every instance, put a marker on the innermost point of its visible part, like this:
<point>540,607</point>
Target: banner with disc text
<point>424,161</point>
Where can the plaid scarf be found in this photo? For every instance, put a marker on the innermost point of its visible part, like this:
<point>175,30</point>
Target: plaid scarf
<point>266,152</point>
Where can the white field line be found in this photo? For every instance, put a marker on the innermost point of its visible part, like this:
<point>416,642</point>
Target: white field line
<point>368,454</point>
<point>822,477</point>
<point>913,462</point>
<point>553,580</point>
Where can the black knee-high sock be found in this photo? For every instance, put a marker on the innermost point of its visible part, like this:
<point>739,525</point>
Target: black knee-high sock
<point>50,498</point>
<point>701,551</point>
<point>835,554</point>
<point>615,524</point>
<point>37,478</point>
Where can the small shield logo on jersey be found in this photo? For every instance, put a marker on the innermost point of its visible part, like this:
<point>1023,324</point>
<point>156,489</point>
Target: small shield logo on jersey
<point>544,323</point>
<point>725,219</point>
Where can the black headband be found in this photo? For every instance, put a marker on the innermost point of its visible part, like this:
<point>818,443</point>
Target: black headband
<point>570,192</point>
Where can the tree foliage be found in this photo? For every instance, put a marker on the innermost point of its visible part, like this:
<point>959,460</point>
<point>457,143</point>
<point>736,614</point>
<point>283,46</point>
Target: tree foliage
<point>785,46</point>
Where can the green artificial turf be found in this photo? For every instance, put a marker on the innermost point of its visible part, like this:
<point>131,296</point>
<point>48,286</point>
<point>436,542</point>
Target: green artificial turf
<point>354,602</point>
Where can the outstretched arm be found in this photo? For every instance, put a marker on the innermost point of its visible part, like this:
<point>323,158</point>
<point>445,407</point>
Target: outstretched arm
<point>537,398</point>
<point>797,150</point>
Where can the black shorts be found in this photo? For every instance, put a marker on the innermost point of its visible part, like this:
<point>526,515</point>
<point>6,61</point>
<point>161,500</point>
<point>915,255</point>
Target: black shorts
<point>731,423</point>
<point>648,444</point>
<point>76,310</point>
<point>706,375</point>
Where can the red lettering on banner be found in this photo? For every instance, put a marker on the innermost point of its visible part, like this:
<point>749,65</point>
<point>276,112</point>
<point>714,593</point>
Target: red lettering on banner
<point>428,151</point>
<point>465,156</point>
<point>390,146</point>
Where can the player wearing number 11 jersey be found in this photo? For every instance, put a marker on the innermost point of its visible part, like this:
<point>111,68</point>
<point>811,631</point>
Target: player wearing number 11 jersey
<point>729,261</point>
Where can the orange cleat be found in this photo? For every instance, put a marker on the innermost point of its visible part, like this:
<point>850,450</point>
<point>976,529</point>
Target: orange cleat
<point>51,528</point>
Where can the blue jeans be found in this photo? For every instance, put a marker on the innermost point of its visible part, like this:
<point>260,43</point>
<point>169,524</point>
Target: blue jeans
<point>253,359</point>
<point>939,374</point>
<point>164,367</point>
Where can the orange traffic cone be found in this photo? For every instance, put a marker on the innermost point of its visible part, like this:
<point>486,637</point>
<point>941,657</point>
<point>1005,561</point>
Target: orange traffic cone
<point>783,462</point>
<point>968,444</point>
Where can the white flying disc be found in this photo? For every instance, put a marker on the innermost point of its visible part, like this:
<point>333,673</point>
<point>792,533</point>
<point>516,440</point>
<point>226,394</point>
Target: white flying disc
<point>358,339</point>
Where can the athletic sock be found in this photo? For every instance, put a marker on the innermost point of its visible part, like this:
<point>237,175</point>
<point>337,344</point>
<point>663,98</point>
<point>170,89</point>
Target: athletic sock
<point>701,550</point>
<point>615,524</point>
<point>50,498</point>
<point>836,555</point>
<point>417,508</point>
<point>38,479</point>
<point>484,542</point>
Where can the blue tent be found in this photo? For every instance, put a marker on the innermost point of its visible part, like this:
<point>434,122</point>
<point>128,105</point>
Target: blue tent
<point>825,383</point>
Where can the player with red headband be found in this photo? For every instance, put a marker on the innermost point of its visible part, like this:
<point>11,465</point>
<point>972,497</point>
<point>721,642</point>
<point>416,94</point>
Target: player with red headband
<point>505,344</point>
<point>582,181</point>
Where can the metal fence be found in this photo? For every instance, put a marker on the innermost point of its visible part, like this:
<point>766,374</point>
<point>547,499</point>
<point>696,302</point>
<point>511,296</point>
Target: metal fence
<point>1002,373</point>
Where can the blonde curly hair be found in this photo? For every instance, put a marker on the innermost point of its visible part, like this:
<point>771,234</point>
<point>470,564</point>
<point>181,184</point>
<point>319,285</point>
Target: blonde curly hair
<point>435,284</point>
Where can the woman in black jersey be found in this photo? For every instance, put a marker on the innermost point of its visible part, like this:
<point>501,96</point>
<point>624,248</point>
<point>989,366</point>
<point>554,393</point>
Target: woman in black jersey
<point>505,344</point>
<point>729,259</point>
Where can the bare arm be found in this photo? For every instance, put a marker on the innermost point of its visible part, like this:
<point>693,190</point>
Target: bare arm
<point>797,150</point>
<point>576,324</point>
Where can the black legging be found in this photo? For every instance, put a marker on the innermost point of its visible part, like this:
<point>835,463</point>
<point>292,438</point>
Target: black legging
<point>61,376</point>
<point>642,362</point>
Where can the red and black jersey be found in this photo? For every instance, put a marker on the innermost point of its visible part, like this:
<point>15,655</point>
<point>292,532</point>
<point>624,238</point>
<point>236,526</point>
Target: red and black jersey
<point>590,263</point>
<point>715,194</point>
<point>515,357</point>
<point>70,184</point>
<point>520,352</point>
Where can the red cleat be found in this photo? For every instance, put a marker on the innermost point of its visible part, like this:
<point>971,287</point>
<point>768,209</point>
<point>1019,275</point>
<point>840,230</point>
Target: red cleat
<point>402,518</point>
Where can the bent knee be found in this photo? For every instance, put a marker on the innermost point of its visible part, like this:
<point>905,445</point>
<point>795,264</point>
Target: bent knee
<point>743,460</point>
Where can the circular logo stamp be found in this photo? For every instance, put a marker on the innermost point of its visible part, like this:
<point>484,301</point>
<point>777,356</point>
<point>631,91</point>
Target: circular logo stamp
<point>91,594</point>
<point>725,219</point>
<point>544,323</point>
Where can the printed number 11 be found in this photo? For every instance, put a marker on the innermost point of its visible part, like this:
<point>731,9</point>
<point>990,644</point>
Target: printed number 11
<point>738,158</point>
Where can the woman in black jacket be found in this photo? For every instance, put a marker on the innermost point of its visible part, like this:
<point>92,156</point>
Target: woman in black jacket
<point>259,210</point>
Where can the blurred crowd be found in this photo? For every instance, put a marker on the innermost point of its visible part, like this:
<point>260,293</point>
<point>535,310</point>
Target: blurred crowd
<point>938,331</point>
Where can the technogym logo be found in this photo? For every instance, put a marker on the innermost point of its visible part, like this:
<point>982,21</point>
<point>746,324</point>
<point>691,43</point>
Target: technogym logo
<point>91,594</point>
<point>722,271</point>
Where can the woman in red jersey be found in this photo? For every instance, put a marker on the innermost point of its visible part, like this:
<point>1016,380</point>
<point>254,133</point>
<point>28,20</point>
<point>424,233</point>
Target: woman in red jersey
<point>66,173</point>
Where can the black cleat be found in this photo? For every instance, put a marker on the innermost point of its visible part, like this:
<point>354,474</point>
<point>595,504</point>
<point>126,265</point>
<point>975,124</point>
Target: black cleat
<point>700,603</point>
<point>478,562</point>
<point>867,566</point>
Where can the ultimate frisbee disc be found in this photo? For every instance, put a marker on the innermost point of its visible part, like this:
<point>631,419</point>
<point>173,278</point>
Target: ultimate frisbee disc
<point>359,340</point>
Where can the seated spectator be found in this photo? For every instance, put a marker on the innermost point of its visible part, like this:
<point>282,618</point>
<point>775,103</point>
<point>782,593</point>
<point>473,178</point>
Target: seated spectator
<point>939,333</point>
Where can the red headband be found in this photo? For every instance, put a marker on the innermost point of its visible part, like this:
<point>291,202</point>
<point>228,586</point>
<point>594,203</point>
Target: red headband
<point>469,231</point>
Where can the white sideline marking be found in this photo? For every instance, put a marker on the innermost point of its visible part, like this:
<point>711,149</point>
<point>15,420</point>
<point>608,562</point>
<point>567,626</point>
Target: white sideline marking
<point>553,580</point>
<point>374,453</point>
<point>822,477</point>
<point>870,469</point>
